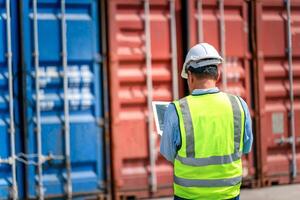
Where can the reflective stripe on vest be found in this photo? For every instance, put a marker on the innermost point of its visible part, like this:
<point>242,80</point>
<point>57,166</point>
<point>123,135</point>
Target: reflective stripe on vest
<point>188,126</point>
<point>212,160</point>
<point>237,115</point>
<point>190,143</point>
<point>207,183</point>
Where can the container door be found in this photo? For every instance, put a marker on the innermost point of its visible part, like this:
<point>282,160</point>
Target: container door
<point>224,24</point>
<point>11,182</point>
<point>134,175</point>
<point>64,104</point>
<point>273,90</point>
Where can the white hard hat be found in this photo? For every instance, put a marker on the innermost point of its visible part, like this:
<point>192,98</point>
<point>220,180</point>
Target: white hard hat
<point>200,55</point>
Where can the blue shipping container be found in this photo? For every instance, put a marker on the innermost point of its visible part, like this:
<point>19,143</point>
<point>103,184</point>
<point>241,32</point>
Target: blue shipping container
<point>11,177</point>
<point>64,138</point>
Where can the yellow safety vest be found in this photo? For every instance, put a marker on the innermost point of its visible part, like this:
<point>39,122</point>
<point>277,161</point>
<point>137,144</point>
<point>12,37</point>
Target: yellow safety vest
<point>208,164</point>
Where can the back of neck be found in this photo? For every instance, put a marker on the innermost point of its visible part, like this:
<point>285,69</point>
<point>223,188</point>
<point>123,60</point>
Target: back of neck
<point>204,84</point>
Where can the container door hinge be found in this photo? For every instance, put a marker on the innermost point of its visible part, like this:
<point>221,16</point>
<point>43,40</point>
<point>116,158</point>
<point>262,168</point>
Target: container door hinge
<point>98,58</point>
<point>101,184</point>
<point>284,140</point>
<point>101,122</point>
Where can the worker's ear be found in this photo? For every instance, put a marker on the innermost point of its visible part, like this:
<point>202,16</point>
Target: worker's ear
<point>219,74</point>
<point>190,81</point>
<point>190,77</point>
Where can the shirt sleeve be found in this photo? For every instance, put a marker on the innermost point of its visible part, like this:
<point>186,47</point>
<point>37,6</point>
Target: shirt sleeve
<point>170,140</point>
<point>248,136</point>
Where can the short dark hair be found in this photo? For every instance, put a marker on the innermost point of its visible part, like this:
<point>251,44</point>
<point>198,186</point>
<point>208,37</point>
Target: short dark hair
<point>210,71</point>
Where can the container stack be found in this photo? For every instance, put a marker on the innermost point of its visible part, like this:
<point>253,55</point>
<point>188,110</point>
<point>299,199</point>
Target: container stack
<point>77,78</point>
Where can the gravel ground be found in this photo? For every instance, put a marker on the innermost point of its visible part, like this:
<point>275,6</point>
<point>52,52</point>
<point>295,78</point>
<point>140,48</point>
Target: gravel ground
<point>285,192</point>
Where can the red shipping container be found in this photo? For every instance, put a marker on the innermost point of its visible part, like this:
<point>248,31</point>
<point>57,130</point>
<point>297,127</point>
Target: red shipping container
<point>128,92</point>
<point>272,90</point>
<point>251,36</point>
<point>206,20</point>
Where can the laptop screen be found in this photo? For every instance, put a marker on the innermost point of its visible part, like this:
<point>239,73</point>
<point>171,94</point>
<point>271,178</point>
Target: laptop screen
<point>159,109</point>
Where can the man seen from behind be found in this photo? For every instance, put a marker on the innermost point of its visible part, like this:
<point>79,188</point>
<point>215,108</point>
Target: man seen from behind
<point>206,133</point>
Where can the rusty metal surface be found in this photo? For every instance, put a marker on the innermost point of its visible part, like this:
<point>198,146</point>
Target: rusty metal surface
<point>128,93</point>
<point>272,90</point>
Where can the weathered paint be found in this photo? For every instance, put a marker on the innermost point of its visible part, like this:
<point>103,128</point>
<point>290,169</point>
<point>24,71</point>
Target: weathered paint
<point>237,50</point>
<point>128,92</point>
<point>272,90</point>
<point>257,70</point>
<point>87,172</point>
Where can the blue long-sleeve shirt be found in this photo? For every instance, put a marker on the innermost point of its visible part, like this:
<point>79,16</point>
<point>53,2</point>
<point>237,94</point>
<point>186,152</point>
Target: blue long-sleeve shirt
<point>170,141</point>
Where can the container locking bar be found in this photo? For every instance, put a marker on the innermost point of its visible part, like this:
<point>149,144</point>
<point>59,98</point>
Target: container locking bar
<point>38,108</point>
<point>174,49</point>
<point>153,181</point>
<point>286,140</point>
<point>26,158</point>
<point>12,160</point>
<point>292,110</point>
<point>223,43</point>
<point>200,20</point>
<point>66,100</point>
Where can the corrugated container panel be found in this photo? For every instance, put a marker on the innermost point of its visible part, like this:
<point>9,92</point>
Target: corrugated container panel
<point>84,91</point>
<point>273,90</point>
<point>236,44</point>
<point>128,93</point>
<point>6,153</point>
